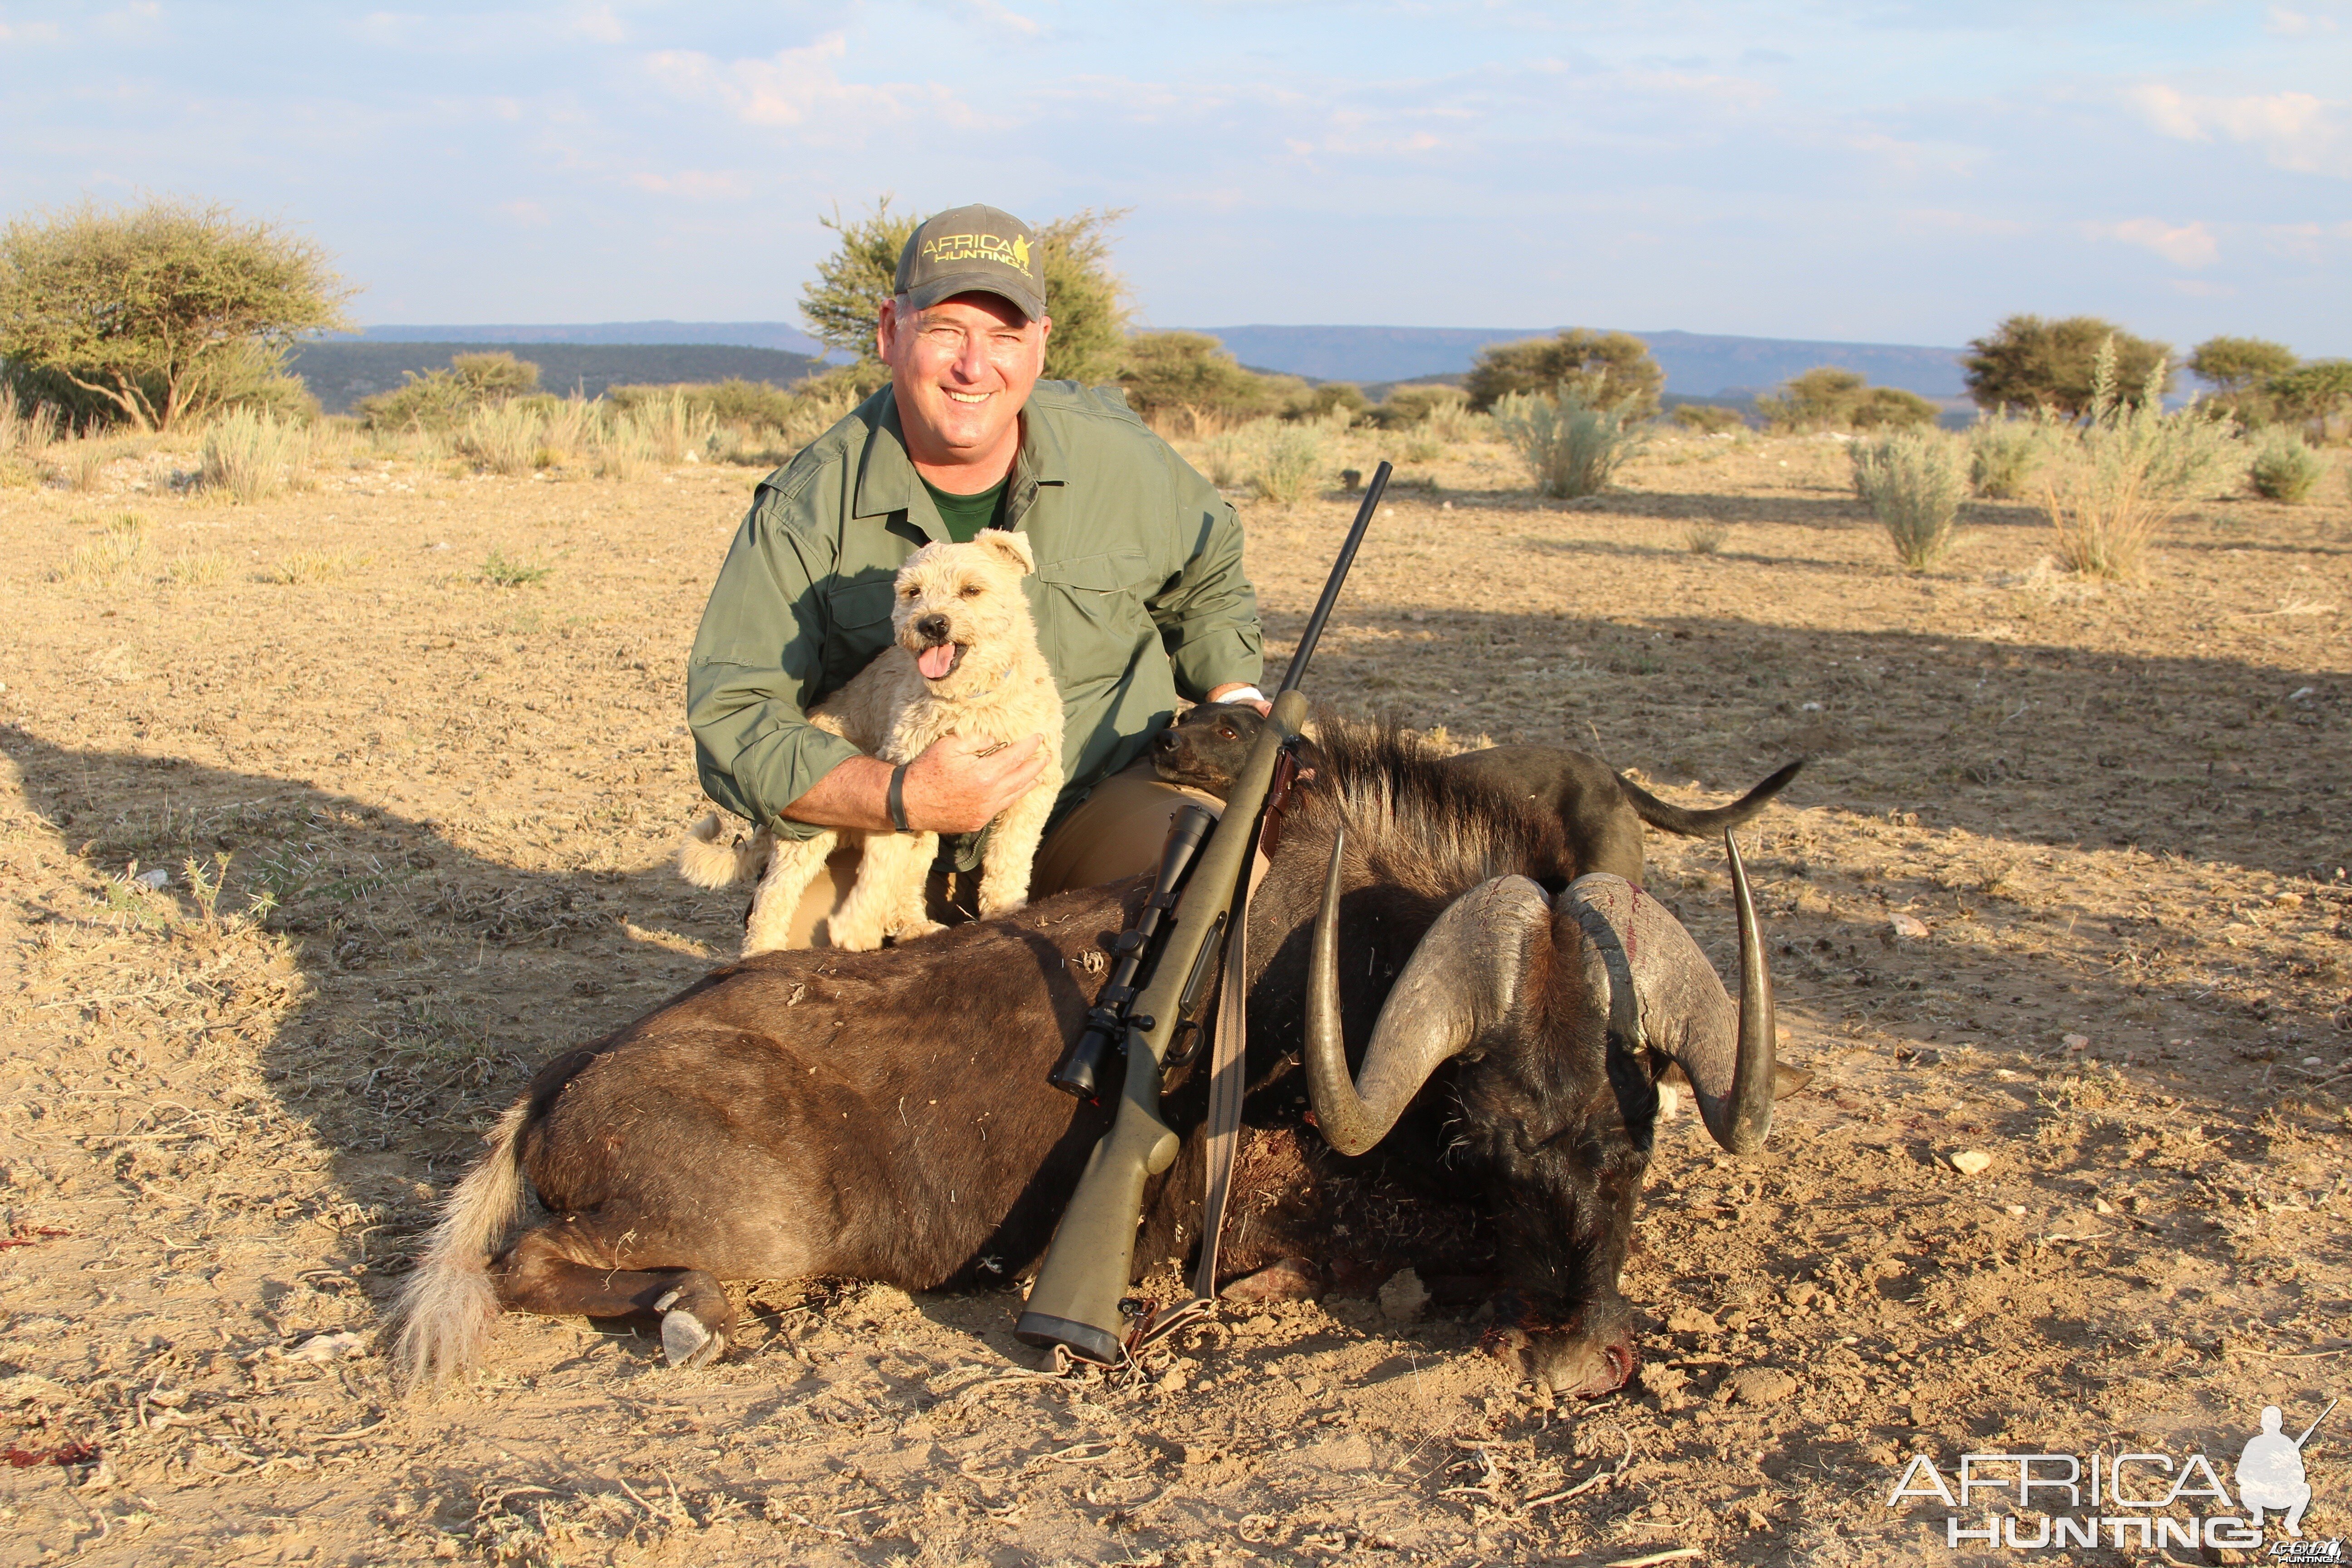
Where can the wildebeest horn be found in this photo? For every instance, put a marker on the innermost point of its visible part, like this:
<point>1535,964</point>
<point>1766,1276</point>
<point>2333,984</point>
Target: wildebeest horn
<point>1464,977</point>
<point>1664,996</point>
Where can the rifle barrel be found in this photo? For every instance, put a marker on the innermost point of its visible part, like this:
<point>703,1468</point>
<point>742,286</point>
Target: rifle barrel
<point>1331,584</point>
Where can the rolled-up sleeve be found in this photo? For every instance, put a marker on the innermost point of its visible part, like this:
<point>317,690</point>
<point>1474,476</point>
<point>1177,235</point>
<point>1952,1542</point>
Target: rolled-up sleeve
<point>1207,613</point>
<point>758,657</point>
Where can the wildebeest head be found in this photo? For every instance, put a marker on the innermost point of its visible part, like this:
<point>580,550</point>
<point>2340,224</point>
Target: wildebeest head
<point>1561,1013</point>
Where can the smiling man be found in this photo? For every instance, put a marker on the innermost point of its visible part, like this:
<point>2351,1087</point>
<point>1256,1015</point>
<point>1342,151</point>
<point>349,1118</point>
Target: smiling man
<point>1140,595</point>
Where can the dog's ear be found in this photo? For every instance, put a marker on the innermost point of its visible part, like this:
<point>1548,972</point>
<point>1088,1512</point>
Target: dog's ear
<point>1012,547</point>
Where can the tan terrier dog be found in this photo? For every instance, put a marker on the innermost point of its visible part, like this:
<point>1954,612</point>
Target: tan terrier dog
<point>964,661</point>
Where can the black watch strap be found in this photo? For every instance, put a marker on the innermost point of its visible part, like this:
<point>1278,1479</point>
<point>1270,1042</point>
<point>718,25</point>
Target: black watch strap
<point>898,799</point>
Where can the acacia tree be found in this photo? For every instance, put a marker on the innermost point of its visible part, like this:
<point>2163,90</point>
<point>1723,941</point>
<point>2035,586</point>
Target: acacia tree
<point>1605,369</point>
<point>2030,362</point>
<point>1084,296</point>
<point>161,311</point>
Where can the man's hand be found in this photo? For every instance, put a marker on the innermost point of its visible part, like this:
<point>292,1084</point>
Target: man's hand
<point>959,784</point>
<point>1220,694</point>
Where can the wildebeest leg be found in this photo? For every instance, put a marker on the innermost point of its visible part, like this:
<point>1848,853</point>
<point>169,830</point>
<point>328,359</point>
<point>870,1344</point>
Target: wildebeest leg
<point>595,1265</point>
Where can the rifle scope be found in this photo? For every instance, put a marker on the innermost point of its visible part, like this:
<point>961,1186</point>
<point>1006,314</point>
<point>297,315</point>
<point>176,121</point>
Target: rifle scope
<point>1107,1023</point>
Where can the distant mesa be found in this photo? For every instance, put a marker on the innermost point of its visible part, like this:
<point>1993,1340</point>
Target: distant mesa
<point>592,355</point>
<point>340,371</point>
<point>1697,364</point>
<point>739,334</point>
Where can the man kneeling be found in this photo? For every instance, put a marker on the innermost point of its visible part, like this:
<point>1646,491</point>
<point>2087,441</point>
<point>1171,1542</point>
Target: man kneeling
<point>1139,593</point>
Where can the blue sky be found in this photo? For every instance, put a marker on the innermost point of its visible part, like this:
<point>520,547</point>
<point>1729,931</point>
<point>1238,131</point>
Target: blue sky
<point>1873,170</point>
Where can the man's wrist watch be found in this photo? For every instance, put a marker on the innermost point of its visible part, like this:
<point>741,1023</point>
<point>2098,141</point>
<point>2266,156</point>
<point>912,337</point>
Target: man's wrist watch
<point>898,799</point>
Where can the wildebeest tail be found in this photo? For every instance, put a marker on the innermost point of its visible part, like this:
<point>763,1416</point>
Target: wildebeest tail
<point>446,1308</point>
<point>706,863</point>
<point>1706,824</point>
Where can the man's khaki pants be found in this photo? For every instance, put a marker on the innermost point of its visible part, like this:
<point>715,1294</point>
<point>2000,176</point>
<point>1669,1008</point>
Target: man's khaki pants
<point>1118,831</point>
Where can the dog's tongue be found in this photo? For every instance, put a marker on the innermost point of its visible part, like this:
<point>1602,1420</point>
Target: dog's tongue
<point>935,662</point>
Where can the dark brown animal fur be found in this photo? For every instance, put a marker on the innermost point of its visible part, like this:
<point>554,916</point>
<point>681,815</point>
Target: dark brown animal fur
<point>883,1115</point>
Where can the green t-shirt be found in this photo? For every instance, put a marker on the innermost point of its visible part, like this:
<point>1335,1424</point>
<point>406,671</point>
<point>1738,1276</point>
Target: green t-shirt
<point>965,516</point>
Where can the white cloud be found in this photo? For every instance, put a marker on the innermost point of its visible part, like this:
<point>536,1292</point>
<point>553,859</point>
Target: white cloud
<point>2183,245</point>
<point>2295,131</point>
<point>802,87</point>
<point>2288,23</point>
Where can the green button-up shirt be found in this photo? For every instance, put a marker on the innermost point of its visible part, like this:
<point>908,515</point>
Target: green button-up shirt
<point>1138,596</point>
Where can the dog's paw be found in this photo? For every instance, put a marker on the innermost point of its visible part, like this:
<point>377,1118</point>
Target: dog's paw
<point>989,906</point>
<point>908,933</point>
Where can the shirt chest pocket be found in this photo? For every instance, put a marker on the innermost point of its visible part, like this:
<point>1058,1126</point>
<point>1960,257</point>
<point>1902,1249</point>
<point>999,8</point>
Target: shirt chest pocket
<point>1092,616</point>
<point>859,613</point>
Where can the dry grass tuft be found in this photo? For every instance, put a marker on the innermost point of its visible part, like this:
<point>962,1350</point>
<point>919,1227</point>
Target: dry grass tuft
<point>308,566</point>
<point>199,569</point>
<point>103,561</point>
<point>251,454</point>
<point>2129,471</point>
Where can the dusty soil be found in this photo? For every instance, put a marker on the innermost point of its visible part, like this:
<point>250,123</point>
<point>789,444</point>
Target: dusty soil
<point>2112,821</point>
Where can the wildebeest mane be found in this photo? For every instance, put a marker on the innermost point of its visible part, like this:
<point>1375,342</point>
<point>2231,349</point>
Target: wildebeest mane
<point>1427,829</point>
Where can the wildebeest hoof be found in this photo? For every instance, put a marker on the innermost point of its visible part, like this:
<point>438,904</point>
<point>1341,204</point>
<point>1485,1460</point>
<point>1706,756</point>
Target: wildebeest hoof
<point>1567,1363</point>
<point>687,1341</point>
<point>1286,1279</point>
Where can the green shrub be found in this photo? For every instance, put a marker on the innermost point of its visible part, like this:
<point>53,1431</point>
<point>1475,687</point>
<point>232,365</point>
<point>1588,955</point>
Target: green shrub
<point>2029,362</point>
<point>1708,418</point>
<point>2129,471</point>
<point>250,453</point>
<point>1831,397</point>
<point>1603,369</point>
<point>2003,452</point>
<point>1913,483</point>
<point>441,400</point>
<point>504,438</point>
<point>1418,404</point>
<point>1571,448</point>
<point>500,572</point>
<point>2286,470</point>
<point>1289,459</point>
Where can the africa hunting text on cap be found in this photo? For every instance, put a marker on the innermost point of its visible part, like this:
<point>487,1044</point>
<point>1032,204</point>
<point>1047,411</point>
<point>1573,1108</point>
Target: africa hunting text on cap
<point>973,249</point>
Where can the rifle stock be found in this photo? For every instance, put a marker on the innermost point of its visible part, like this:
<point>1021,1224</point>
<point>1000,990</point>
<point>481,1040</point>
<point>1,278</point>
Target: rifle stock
<point>1076,1299</point>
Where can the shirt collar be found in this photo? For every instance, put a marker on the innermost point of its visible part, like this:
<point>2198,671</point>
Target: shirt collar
<point>887,482</point>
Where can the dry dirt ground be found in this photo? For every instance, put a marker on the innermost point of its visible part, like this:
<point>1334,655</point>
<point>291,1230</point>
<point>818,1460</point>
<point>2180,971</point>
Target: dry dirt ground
<point>2112,821</point>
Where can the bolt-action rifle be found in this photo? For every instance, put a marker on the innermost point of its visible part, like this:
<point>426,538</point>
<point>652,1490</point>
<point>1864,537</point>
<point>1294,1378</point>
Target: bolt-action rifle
<point>1146,1006</point>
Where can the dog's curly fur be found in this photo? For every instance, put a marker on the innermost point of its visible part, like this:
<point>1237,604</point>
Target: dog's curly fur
<point>998,686</point>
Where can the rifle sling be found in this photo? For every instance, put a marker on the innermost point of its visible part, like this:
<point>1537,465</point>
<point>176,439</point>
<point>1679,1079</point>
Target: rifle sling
<point>1228,1079</point>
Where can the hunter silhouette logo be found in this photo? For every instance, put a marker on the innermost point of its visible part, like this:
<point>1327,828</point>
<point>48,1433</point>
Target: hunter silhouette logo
<point>953,247</point>
<point>2270,1471</point>
<point>2133,1498</point>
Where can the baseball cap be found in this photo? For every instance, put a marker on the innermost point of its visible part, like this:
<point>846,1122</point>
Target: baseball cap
<point>973,249</point>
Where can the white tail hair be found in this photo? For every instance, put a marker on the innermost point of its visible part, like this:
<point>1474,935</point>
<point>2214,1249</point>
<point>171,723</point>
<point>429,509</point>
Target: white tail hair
<point>706,863</point>
<point>444,1311</point>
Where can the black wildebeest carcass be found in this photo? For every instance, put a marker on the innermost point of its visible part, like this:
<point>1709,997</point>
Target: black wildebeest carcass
<point>1601,810</point>
<point>885,1115</point>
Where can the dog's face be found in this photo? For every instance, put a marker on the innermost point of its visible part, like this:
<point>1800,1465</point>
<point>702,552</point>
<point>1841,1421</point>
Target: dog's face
<point>960,610</point>
<point>1206,748</point>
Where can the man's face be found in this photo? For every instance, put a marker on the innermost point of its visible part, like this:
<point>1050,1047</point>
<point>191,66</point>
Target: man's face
<point>962,368</point>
